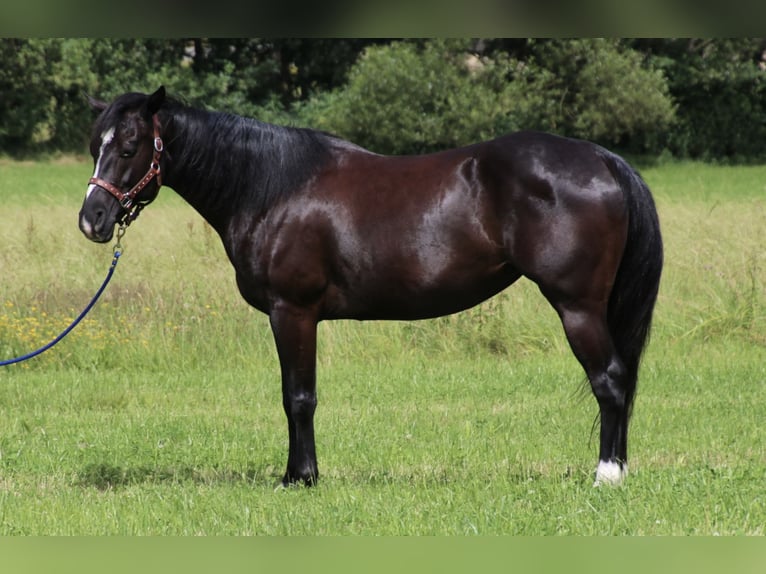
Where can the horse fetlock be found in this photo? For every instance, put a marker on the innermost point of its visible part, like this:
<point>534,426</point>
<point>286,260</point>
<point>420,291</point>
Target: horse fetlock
<point>611,473</point>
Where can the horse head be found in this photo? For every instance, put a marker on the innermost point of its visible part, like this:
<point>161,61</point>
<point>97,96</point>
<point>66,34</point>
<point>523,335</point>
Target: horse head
<point>127,148</point>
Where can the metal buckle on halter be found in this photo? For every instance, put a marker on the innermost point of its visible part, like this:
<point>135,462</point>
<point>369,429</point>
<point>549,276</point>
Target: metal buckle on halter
<point>158,145</point>
<point>126,202</point>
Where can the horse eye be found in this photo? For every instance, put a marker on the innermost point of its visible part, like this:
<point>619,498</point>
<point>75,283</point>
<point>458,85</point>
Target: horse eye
<point>127,153</point>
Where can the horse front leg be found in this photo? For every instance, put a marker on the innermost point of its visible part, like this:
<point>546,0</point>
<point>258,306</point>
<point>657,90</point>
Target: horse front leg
<point>295,332</point>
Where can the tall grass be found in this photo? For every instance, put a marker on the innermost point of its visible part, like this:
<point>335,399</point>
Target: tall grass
<point>161,413</point>
<point>714,220</point>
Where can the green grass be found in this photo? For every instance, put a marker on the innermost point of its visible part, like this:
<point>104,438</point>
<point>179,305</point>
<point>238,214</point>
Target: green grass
<point>161,413</point>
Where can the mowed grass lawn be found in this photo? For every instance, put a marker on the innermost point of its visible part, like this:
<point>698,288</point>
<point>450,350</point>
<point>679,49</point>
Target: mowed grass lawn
<point>161,413</point>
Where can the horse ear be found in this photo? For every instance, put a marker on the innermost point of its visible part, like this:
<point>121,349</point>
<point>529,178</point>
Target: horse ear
<point>155,101</point>
<point>96,105</point>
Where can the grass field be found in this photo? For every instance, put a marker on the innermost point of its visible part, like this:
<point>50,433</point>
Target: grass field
<point>161,413</point>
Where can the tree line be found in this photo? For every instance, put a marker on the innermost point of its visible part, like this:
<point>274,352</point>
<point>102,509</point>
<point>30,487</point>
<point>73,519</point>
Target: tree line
<point>688,97</point>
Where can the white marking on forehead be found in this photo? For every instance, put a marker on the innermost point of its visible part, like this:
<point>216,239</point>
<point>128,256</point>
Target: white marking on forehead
<point>106,138</point>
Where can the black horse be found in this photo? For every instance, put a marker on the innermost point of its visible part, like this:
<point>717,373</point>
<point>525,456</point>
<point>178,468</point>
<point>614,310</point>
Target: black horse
<point>318,228</point>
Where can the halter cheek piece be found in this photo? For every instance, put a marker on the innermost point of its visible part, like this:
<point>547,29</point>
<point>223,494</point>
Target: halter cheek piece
<point>128,200</point>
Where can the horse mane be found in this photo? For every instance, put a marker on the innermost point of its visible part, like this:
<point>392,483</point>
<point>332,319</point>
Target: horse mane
<point>241,161</point>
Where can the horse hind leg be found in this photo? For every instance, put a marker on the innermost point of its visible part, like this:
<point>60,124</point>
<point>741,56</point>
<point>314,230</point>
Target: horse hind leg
<point>588,335</point>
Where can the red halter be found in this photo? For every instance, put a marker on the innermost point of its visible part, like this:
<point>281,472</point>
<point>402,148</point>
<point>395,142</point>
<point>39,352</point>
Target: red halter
<point>127,200</point>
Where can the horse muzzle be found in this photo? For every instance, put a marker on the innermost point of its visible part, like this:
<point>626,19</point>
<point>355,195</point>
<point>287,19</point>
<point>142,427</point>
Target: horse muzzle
<point>95,226</point>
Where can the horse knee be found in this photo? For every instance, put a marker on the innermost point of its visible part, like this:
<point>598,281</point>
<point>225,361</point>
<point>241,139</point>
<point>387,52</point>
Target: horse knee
<point>300,406</point>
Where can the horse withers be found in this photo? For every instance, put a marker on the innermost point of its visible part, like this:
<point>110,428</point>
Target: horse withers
<point>318,228</point>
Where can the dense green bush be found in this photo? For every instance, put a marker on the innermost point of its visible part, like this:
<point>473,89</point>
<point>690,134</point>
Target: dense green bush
<point>25,95</point>
<point>599,90</point>
<point>405,98</point>
<point>720,89</point>
<point>702,98</point>
<point>43,82</point>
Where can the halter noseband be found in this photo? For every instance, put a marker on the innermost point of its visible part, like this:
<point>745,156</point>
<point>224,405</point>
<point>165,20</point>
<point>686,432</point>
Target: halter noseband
<point>127,200</point>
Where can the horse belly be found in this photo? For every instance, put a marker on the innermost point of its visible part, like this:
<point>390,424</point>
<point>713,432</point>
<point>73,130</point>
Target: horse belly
<point>407,288</point>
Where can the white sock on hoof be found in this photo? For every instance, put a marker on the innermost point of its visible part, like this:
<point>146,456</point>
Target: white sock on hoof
<point>611,473</point>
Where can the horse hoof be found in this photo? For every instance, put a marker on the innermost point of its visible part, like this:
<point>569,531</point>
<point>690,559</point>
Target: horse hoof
<point>610,473</point>
<point>288,482</point>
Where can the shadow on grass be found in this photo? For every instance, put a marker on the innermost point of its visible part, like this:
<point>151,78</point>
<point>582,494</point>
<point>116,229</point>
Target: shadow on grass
<point>103,476</point>
<point>457,477</point>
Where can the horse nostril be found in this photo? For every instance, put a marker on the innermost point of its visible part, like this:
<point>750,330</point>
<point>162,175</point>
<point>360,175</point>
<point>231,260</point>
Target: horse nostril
<point>91,223</point>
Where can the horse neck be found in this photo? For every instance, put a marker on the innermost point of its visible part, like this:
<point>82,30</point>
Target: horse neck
<point>224,165</point>
<point>191,169</point>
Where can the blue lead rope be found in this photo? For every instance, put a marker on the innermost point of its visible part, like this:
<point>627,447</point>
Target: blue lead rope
<point>74,323</point>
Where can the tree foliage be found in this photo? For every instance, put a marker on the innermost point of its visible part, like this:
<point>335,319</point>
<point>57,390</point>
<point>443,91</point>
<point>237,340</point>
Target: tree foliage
<point>405,98</point>
<point>719,87</point>
<point>596,89</point>
<point>692,97</point>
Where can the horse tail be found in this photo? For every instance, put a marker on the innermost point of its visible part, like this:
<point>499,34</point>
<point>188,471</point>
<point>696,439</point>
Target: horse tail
<point>633,296</point>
